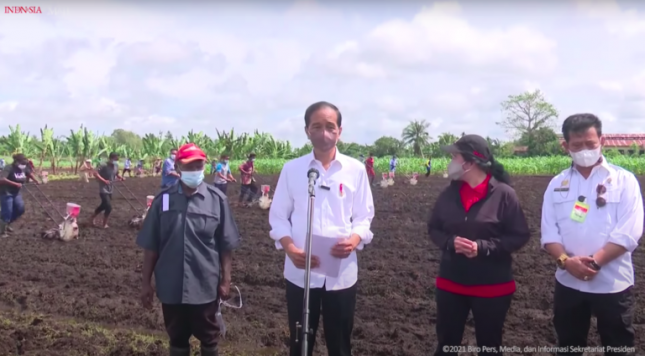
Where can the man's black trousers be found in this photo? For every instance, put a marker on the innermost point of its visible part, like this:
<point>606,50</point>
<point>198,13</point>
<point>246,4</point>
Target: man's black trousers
<point>106,205</point>
<point>572,310</point>
<point>452,311</point>
<point>338,318</point>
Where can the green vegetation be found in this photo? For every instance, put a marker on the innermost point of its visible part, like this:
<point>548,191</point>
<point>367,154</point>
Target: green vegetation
<point>516,166</point>
<point>527,117</point>
<point>48,333</point>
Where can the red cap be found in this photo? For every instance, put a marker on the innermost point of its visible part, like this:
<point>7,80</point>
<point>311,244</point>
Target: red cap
<point>189,153</point>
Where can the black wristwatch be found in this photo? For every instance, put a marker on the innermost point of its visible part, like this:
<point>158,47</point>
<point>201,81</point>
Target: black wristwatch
<point>594,265</point>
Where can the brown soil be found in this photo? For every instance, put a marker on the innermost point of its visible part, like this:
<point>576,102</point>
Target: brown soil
<point>81,298</point>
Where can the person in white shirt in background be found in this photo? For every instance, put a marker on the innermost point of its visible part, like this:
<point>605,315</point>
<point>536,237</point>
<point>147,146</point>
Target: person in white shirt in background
<point>343,210</point>
<point>592,220</point>
<point>127,167</point>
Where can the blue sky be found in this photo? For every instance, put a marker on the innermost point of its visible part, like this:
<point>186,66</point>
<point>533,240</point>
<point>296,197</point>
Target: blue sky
<point>158,66</point>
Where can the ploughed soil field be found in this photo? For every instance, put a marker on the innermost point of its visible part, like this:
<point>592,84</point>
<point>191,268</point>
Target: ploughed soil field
<point>81,298</point>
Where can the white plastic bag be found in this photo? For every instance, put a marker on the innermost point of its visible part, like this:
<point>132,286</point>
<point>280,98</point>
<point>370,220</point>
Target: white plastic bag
<point>220,322</point>
<point>235,302</point>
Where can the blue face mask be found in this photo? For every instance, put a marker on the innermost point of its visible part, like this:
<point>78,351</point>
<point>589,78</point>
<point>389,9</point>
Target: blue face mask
<point>116,163</point>
<point>172,157</point>
<point>225,161</point>
<point>192,179</point>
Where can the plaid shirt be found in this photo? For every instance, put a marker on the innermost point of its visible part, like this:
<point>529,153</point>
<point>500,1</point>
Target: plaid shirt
<point>247,166</point>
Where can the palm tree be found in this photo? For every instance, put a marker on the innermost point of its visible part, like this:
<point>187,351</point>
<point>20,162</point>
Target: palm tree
<point>416,134</point>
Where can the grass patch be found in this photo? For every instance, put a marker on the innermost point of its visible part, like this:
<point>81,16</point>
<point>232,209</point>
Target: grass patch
<point>36,334</point>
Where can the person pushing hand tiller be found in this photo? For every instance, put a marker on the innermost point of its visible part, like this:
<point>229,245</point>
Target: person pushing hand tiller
<point>11,182</point>
<point>106,174</point>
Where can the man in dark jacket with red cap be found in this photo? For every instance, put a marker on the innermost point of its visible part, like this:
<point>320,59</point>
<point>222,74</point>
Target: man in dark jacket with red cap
<point>188,237</point>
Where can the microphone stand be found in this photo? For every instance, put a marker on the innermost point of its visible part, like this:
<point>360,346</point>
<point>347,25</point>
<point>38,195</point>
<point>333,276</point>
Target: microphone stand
<point>304,327</point>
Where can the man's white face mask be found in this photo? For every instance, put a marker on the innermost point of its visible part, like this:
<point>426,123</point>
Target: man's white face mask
<point>586,158</point>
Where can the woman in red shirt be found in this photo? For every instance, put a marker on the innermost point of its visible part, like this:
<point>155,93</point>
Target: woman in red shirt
<point>369,166</point>
<point>477,222</point>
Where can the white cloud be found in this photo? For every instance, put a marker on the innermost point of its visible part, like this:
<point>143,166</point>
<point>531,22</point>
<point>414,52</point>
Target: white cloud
<point>610,85</point>
<point>439,35</point>
<point>625,22</point>
<point>219,66</point>
<point>8,106</point>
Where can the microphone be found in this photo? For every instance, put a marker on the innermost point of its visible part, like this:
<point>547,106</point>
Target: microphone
<point>313,174</point>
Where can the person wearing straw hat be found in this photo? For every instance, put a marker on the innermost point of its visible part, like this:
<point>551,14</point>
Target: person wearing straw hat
<point>592,221</point>
<point>188,237</point>
<point>11,203</point>
<point>477,222</point>
<point>106,174</point>
<point>86,168</point>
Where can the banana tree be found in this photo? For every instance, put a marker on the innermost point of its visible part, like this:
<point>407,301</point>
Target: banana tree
<point>58,150</point>
<point>44,146</point>
<point>154,147</point>
<point>17,141</point>
<point>74,147</point>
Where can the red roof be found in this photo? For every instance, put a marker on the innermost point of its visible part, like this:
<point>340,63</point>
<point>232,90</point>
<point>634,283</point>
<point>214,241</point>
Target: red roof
<point>622,140</point>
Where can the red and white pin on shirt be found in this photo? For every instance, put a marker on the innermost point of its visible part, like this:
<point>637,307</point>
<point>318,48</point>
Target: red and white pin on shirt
<point>341,193</point>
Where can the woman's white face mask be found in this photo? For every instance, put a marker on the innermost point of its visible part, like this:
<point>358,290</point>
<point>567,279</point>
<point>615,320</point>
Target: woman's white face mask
<point>456,170</point>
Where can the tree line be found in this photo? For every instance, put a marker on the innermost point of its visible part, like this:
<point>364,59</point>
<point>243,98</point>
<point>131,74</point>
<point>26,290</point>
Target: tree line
<point>528,119</point>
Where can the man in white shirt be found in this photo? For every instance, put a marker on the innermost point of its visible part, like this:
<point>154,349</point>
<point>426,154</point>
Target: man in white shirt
<point>592,220</point>
<point>343,211</point>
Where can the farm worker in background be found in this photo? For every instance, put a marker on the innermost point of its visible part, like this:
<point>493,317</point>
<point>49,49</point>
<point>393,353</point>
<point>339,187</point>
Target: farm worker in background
<point>139,169</point>
<point>87,165</point>
<point>106,174</point>
<point>592,221</point>
<point>477,238</point>
<point>156,167</point>
<point>393,163</point>
<point>214,166</point>
<point>11,204</point>
<point>223,174</point>
<point>190,254</point>
<point>369,167</point>
<point>345,185</point>
<point>86,168</point>
<point>248,190</point>
<point>30,170</point>
<point>127,167</point>
<point>428,166</point>
<point>168,174</point>
<point>2,163</point>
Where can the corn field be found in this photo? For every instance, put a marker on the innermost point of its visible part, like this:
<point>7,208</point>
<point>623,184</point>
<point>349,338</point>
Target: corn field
<point>55,152</point>
<point>515,166</point>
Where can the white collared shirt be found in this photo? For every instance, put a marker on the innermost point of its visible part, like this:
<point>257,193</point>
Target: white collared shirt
<point>620,222</point>
<point>335,216</point>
